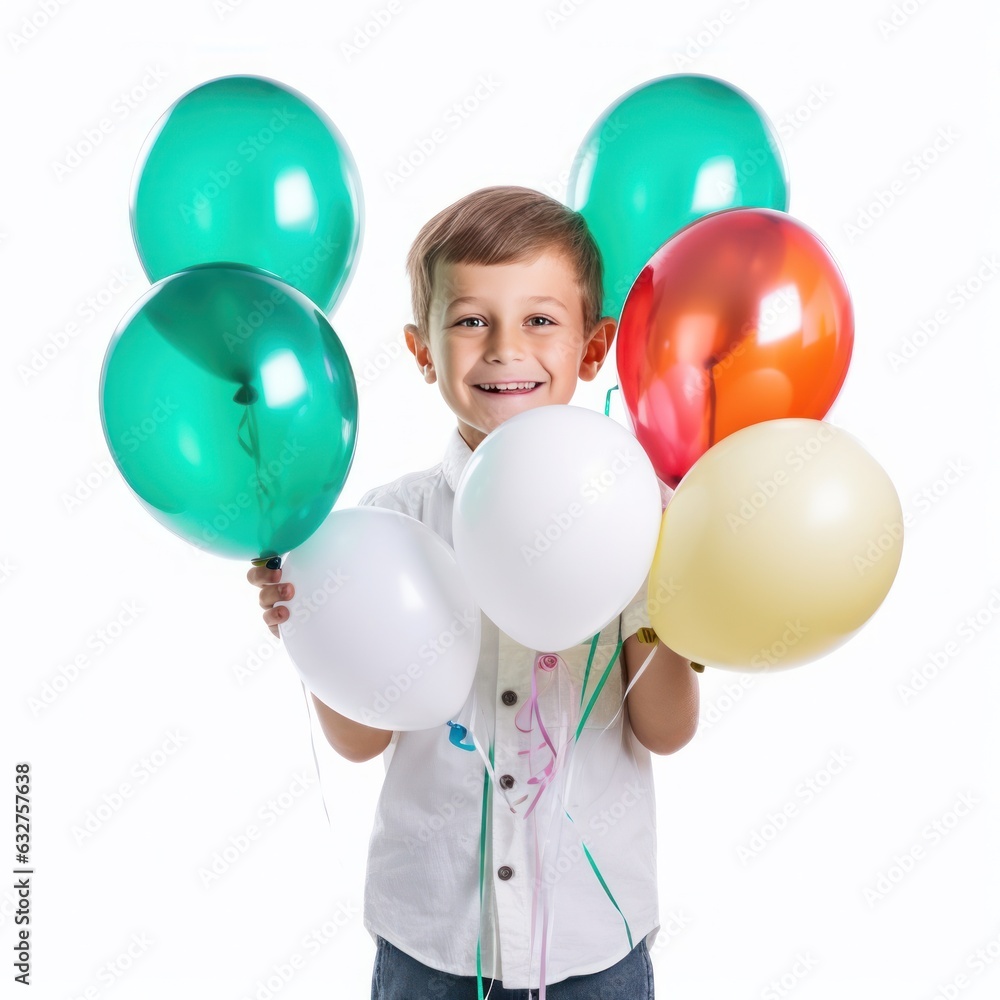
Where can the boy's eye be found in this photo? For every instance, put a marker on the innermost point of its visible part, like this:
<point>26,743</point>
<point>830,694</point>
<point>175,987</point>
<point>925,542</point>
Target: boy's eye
<point>479,321</point>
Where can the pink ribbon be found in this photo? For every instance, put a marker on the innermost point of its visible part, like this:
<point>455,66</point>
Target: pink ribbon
<point>546,663</point>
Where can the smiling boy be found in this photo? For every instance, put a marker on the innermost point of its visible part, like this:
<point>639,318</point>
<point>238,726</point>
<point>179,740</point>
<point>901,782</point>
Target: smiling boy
<point>506,290</point>
<point>520,325</point>
<point>533,323</point>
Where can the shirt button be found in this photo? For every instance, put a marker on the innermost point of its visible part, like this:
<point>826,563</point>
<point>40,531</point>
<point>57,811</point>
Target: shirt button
<point>505,872</point>
<point>506,780</point>
<point>508,697</point>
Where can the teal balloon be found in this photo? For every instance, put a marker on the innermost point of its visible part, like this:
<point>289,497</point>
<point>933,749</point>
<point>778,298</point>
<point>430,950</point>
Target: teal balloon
<point>230,408</point>
<point>248,170</point>
<point>662,156</point>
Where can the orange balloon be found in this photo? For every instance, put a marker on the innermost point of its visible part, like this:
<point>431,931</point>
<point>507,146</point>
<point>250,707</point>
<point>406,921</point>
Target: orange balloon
<point>742,316</point>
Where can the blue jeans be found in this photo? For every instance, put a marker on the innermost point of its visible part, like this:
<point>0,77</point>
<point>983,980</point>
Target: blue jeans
<point>398,976</point>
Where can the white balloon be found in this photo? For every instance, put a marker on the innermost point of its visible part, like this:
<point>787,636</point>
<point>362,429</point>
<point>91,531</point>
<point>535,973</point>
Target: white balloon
<point>556,520</point>
<point>382,627</point>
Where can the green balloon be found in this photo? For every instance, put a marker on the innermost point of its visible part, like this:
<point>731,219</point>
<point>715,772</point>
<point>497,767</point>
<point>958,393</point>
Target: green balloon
<point>230,408</point>
<point>662,156</point>
<point>246,169</point>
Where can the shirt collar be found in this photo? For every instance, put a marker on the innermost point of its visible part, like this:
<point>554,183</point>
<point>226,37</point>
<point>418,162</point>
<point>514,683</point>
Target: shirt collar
<point>456,456</point>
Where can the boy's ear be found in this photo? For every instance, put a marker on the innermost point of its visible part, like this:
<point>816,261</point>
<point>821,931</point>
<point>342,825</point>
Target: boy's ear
<point>598,345</point>
<point>420,351</point>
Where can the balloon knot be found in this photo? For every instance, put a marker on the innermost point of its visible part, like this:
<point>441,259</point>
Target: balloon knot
<point>245,395</point>
<point>457,734</point>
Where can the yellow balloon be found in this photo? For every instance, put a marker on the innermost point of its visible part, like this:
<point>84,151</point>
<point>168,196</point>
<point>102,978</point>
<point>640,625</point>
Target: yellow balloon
<point>780,542</point>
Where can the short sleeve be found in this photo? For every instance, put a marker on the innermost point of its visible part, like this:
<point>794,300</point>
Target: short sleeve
<point>635,616</point>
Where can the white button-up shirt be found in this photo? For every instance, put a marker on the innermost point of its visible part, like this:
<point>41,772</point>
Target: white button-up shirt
<point>422,880</point>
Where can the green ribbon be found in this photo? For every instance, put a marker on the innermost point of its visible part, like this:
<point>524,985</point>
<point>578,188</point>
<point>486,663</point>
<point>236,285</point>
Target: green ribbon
<point>604,677</point>
<point>604,885</point>
<point>487,793</point>
<point>579,729</point>
<point>590,660</point>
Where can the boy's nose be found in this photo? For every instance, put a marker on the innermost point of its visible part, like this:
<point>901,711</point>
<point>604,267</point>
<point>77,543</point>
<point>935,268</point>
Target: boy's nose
<point>505,343</point>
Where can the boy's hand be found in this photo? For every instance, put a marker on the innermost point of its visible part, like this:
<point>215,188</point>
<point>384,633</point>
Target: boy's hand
<point>271,590</point>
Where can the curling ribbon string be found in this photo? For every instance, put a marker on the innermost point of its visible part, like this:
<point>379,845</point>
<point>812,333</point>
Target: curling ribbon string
<point>487,773</point>
<point>607,400</point>
<point>312,743</point>
<point>545,661</point>
<point>614,718</point>
<point>600,685</point>
<point>559,674</point>
<point>544,778</point>
<point>590,660</point>
<point>265,495</point>
<point>604,885</point>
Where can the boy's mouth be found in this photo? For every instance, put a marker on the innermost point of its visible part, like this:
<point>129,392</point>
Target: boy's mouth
<point>508,388</point>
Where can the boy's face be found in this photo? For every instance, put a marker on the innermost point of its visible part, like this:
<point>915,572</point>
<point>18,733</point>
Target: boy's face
<point>496,323</point>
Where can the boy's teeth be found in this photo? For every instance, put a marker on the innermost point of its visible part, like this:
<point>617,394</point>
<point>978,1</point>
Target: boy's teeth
<point>506,388</point>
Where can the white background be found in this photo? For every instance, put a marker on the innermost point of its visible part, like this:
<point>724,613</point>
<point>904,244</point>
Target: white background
<point>196,671</point>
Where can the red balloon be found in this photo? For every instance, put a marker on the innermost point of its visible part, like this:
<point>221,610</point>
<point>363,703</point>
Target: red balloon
<point>740,317</point>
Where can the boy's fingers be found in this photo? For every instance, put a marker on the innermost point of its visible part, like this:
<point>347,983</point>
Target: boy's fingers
<point>274,615</point>
<point>275,592</point>
<point>260,575</point>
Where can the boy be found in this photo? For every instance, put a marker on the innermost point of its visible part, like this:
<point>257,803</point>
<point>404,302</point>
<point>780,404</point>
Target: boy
<point>506,289</point>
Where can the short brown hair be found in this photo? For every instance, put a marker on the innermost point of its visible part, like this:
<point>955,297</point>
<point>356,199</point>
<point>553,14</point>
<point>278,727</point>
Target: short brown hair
<point>501,225</point>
